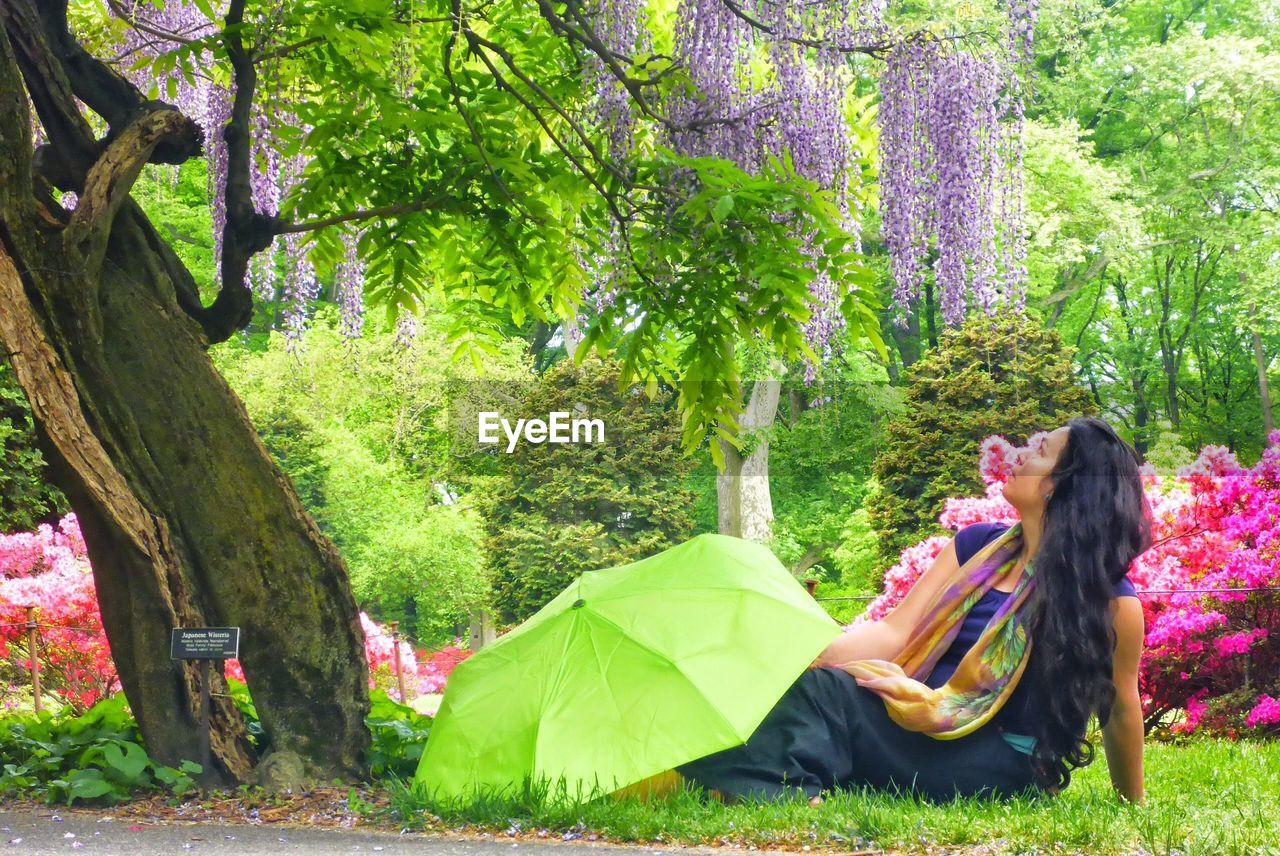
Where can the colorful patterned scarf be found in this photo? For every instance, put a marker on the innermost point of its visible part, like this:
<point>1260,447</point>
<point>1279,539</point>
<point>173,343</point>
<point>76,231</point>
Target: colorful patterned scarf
<point>988,672</point>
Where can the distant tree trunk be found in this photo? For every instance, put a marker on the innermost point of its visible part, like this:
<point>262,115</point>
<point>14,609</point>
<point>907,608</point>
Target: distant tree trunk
<point>1260,362</point>
<point>1137,372</point>
<point>931,324</point>
<point>815,554</point>
<point>742,490</point>
<point>906,341</point>
<point>572,335</point>
<point>186,518</point>
<point>1173,343</point>
<point>410,623</point>
<point>482,630</point>
<point>539,336</point>
<point>1071,280</point>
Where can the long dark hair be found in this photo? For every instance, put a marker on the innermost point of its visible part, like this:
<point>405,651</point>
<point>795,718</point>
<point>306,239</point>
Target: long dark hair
<point>1096,522</point>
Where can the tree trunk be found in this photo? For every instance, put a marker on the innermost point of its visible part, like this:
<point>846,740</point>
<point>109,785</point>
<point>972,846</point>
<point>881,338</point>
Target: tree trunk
<point>932,325</point>
<point>188,522</point>
<point>572,334</point>
<point>186,518</point>
<point>906,340</point>
<point>742,490</point>
<point>1260,362</point>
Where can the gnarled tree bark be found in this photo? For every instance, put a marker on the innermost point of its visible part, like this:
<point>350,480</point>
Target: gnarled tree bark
<point>187,520</point>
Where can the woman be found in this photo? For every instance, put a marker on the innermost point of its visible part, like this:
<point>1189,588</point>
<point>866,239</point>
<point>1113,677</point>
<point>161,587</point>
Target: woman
<point>1015,636</point>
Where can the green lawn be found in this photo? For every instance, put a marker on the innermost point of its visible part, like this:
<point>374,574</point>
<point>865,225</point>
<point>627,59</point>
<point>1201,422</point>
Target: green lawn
<point>1206,796</point>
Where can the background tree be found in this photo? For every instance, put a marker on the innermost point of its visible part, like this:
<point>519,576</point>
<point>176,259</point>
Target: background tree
<point>1179,102</point>
<point>360,426</point>
<point>558,510</point>
<point>1008,376</point>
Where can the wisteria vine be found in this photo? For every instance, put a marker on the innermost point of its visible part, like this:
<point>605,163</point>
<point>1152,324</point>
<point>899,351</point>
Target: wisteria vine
<point>951,151</point>
<point>951,169</point>
<point>951,128</point>
<point>283,273</point>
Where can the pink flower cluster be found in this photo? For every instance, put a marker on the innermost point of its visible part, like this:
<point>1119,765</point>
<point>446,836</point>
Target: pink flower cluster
<point>1265,712</point>
<point>49,569</point>
<point>25,554</point>
<point>424,672</point>
<point>1216,525</point>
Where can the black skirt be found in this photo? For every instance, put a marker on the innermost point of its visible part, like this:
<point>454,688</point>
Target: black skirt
<point>827,732</point>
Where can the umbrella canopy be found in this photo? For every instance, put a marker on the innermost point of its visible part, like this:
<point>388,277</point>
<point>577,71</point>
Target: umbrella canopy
<point>628,672</point>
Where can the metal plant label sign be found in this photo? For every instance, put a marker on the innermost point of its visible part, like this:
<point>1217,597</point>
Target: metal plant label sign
<point>205,643</point>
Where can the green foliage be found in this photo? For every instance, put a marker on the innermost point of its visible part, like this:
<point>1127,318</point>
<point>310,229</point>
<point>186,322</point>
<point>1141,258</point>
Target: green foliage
<point>1167,454</point>
<point>175,199</point>
<point>361,428</point>
<point>99,757</point>
<point>744,285</point>
<point>820,458</point>
<point>476,123</point>
<point>297,446</point>
<point>856,555</point>
<point>558,510</point>
<point>1178,109</point>
<point>1006,376</point>
<point>399,735</point>
<point>239,692</point>
<point>26,496</point>
<point>95,757</point>
<point>435,563</point>
<point>1079,210</point>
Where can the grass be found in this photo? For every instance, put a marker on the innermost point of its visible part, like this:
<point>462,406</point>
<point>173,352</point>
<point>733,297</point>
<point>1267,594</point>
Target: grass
<point>1205,796</point>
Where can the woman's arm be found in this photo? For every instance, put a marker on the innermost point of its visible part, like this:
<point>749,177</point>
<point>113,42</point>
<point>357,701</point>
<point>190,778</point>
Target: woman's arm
<point>1122,736</point>
<point>884,639</point>
<point>867,639</point>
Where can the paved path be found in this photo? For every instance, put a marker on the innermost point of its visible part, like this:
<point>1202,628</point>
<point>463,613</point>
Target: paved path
<point>57,831</point>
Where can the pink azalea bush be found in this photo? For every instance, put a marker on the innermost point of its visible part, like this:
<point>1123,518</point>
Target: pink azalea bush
<point>1216,525</point>
<point>49,568</point>
<point>424,672</point>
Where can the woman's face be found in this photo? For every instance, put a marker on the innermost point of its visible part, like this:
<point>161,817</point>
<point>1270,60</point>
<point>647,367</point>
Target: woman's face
<point>1029,484</point>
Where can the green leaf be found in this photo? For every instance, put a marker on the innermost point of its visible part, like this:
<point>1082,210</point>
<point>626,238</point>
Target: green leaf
<point>724,205</point>
<point>129,764</point>
<point>717,455</point>
<point>87,784</point>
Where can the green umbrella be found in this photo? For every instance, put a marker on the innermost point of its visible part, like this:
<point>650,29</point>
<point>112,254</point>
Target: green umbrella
<point>628,672</point>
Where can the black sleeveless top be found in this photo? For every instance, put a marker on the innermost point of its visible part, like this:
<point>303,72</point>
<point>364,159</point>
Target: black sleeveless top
<point>1020,709</point>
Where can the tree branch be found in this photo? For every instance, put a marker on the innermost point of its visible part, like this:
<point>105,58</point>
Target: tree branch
<point>132,21</point>
<point>876,50</point>
<point>588,38</point>
<point>455,97</point>
<point>475,40</point>
<point>112,177</point>
<point>478,41</point>
<point>71,138</point>
<point>246,231</point>
<point>285,50</point>
<point>281,228</point>
<point>15,139</point>
<point>107,93</point>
